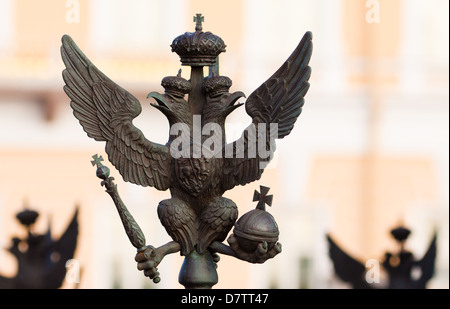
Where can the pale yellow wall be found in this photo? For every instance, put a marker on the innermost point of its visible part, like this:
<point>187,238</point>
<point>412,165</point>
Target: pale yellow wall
<point>370,197</point>
<point>53,183</point>
<point>373,39</point>
<point>37,30</point>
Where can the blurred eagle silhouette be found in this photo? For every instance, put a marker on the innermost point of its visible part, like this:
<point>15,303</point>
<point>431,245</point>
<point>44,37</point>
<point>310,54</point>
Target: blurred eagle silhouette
<point>41,259</point>
<point>196,214</point>
<point>403,270</point>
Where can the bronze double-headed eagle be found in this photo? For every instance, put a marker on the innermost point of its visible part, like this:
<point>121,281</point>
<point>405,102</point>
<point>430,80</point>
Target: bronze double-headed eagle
<point>197,171</point>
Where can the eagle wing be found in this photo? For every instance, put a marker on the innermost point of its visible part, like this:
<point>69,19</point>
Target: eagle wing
<point>346,267</point>
<point>105,111</point>
<point>278,101</point>
<point>427,264</point>
<point>65,248</point>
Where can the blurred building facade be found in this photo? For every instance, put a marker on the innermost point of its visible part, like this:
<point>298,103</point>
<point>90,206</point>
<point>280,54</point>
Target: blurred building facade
<point>369,150</point>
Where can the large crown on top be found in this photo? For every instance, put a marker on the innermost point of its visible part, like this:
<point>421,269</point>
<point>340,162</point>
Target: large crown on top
<point>198,48</point>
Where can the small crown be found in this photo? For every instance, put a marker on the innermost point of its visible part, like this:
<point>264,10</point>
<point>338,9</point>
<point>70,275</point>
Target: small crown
<point>27,217</point>
<point>176,85</point>
<point>400,233</point>
<point>216,85</point>
<point>198,48</point>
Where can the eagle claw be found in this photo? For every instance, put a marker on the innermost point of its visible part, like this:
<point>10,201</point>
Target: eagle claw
<point>149,258</point>
<point>261,254</point>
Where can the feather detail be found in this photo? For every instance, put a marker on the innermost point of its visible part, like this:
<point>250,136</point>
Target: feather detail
<point>105,111</point>
<point>279,101</point>
<point>180,222</point>
<point>215,222</point>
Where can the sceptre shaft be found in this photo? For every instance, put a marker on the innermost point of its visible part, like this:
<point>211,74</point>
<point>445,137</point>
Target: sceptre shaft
<point>134,232</point>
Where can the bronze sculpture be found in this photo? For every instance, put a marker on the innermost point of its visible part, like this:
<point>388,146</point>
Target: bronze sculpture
<point>41,259</point>
<point>399,266</point>
<point>197,167</point>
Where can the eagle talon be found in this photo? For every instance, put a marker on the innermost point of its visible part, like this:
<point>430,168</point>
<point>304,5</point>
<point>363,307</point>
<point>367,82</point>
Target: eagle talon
<point>149,258</point>
<point>261,254</point>
<point>215,256</point>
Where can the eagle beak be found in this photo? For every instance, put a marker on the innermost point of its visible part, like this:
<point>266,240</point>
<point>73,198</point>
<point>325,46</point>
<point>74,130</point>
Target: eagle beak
<point>162,106</point>
<point>231,100</point>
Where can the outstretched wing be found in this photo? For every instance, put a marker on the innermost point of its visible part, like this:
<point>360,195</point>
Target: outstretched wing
<point>347,268</point>
<point>426,264</point>
<point>279,102</point>
<point>64,247</point>
<point>105,111</point>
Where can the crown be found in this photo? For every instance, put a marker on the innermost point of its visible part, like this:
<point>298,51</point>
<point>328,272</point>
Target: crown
<point>27,217</point>
<point>216,85</point>
<point>400,233</point>
<point>176,85</point>
<point>198,48</point>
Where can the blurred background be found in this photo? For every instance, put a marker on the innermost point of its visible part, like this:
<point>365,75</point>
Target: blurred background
<point>369,152</point>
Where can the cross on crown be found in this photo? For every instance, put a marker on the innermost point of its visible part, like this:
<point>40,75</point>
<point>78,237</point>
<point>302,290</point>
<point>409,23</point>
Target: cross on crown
<point>198,19</point>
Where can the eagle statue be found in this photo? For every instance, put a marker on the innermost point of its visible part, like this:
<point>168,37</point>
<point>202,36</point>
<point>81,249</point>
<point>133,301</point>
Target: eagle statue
<point>403,270</point>
<point>196,168</point>
<point>41,258</point>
